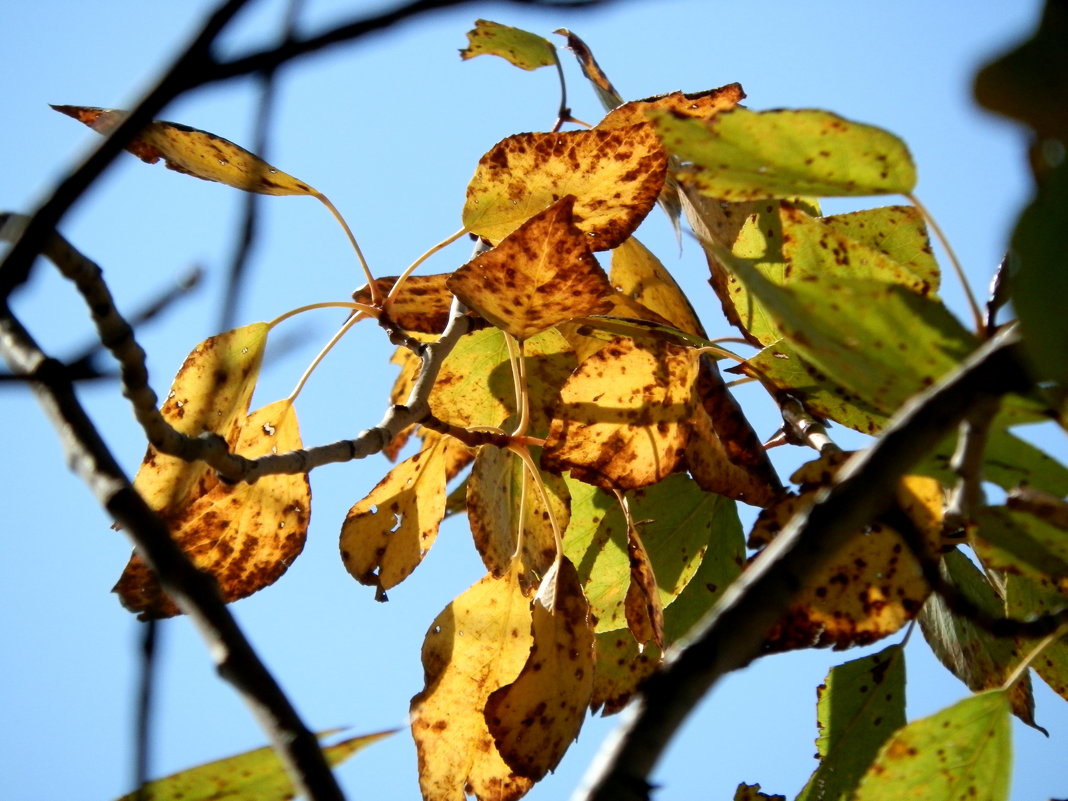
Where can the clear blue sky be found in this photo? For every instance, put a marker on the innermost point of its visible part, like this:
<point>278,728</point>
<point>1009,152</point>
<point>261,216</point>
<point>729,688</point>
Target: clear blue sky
<point>391,130</point>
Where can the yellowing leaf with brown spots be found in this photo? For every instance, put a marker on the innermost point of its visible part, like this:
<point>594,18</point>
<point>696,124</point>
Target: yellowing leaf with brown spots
<point>614,175</point>
<point>752,792</point>
<point>541,274</point>
<point>479,643</point>
<point>194,152</point>
<point>645,614</point>
<point>606,93</point>
<point>535,718</point>
<point>699,105</point>
<point>623,420</point>
<point>244,535</point>
<point>421,306</point>
<point>640,275</point>
<point>386,535</point>
<point>503,504</point>
<point>475,386</point>
<point>525,50</point>
<point>963,753</point>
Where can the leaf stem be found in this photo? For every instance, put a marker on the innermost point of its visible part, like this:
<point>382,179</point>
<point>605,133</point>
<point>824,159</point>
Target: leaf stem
<point>411,267</point>
<point>519,379</point>
<point>564,113</point>
<point>367,311</point>
<point>723,353</point>
<point>376,296</point>
<point>523,453</point>
<point>349,323</point>
<point>977,314</point>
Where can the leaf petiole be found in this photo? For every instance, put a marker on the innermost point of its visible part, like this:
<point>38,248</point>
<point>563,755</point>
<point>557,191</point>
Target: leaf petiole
<point>349,323</point>
<point>367,311</point>
<point>376,296</point>
<point>411,267</point>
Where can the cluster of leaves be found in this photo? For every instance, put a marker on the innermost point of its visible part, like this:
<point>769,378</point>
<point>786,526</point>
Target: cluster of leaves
<point>605,456</point>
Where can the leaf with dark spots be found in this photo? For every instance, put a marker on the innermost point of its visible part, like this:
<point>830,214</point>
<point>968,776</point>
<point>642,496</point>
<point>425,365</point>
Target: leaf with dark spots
<point>698,105</point>
<point>606,92</point>
<point>541,274</point>
<point>421,306</point>
<point>752,792</point>
<point>640,275</point>
<point>525,50</point>
<point>645,614</point>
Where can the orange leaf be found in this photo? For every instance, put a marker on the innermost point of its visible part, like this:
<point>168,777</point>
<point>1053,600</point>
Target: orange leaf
<point>422,304</point>
<point>541,274</point>
<point>700,105</point>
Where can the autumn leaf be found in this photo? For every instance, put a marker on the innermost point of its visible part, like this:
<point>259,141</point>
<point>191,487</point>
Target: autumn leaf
<point>640,275</point>
<point>252,776</point>
<point>421,306</point>
<point>963,752</point>
<point>614,175</point>
<point>194,152</point>
<point>386,535</point>
<point>623,420</point>
<point>244,535</point>
<point>541,274</point>
<point>536,717</point>
<point>525,50</point>
<point>698,105</point>
<point>479,643</point>
<point>747,155</point>
<point>645,614</point>
<point>606,92</point>
<point>752,792</point>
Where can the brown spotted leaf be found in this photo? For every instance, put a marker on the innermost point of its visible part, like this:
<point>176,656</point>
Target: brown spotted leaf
<point>386,535</point>
<point>421,306</point>
<point>640,275</point>
<point>194,152</point>
<point>614,175</point>
<point>541,274</point>
<point>479,643</point>
<point>752,792</point>
<point>624,416</point>
<point>244,535</point>
<point>536,717</point>
<point>525,50</point>
<point>503,504</point>
<point>645,614</point>
<point>699,105</point>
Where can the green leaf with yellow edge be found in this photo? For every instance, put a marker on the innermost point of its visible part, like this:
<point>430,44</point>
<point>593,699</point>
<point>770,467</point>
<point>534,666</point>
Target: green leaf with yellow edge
<point>615,176</point>
<point>541,274</point>
<point>623,420</point>
<point>252,776</point>
<point>861,703</point>
<point>640,275</point>
<point>386,535</point>
<point>503,504</point>
<point>479,643</point>
<point>536,717</point>
<point>976,657</point>
<point>525,50</point>
<point>747,155</point>
<point>963,753</point>
<point>244,535</point>
<point>195,152</point>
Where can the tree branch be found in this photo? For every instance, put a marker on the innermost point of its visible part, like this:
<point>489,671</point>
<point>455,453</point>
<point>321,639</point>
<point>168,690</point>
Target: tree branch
<point>731,635</point>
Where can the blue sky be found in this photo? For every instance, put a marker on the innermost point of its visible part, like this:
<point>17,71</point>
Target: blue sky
<point>391,130</point>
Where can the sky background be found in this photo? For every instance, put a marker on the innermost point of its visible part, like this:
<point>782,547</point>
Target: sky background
<point>391,129</point>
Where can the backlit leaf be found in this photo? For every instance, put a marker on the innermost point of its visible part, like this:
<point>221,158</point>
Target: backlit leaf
<point>861,704</point>
<point>244,535</point>
<point>614,175</point>
<point>525,50</point>
<point>699,105</point>
<point>639,275</point>
<point>606,92</point>
<point>645,614</point>
<point>474,386</point>
<point>479,643</point>
<point>624,415</point>
<point>1018,543</point>
<point>1026,598</point>
<point>502,501</point>
<point>752,792</point>
<point>386,535</point>
<point>541,274</point>
<point>535,718</point>
<point>963,753</point>
<point>194,152</point>
<point>252,776</point>
<point>422,304</point>
<point>746,155</point>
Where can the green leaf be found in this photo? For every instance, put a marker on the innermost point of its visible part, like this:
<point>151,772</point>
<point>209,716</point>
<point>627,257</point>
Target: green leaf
<point>1024,599</point>
<point>1019,543</point>
<point>961,753</point>
<point>525,50</point>
<point>745,155</point>
<point>253,776</point>
<point>1008,461</point>
<point>860,705</point>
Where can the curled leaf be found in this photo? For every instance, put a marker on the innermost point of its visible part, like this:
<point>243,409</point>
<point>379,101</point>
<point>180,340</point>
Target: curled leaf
<point>698,105</point>
<point>521,48</point>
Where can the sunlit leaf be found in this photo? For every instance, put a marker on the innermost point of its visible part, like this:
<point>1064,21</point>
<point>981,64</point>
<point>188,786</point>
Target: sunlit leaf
<point>475,387</point>
<point>422,304</point>
<point>525,50</point>
<point>963,753</point>
<point>699,105</point>
<point>503,504</point>
<point>541,274</point>
<point>978,658</point>
<point>746,155</point>
<point>638,274</point>
<point>244,535</point>
<point>861,703</point>
<point>606,92</point>
<point>624,415</point>
<point>386,535</point>
<point>1029,597</point>
<point>614,175</point>
<point>642,606</point>
<point>194,152</point>
<point>536,717</point>
<point>252,776</point>
<point>479,643</point>
<point>752,792</point>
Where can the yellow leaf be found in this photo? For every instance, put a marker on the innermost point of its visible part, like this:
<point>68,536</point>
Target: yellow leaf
<point>623,420</point>
<point>386,535</point>
<point>479,643</point>
<point>421,305</point>
<point>502,501</point>
<point>244,535</point>
<point>525,50</point>
<point>535,718</point>
<point>700,105</point>
<point>639,275</point>
<point>541,274</point>
<point>615,176</point>
<point>645,613</point>
<point>194,152</point>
